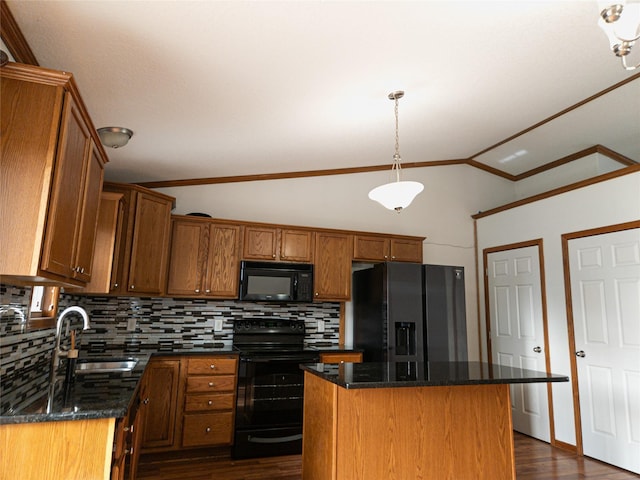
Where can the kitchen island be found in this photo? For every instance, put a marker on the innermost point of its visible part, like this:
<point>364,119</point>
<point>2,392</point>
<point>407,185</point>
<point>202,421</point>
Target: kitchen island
<point>410,420</point>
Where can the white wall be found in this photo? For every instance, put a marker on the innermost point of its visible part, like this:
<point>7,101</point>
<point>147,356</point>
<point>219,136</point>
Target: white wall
<point>442,212</point>
<point>606,203</point>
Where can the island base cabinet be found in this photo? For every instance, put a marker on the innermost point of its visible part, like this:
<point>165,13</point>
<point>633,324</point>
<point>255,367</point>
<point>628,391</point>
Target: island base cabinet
<point>70,450</point>
<point>450,432</point>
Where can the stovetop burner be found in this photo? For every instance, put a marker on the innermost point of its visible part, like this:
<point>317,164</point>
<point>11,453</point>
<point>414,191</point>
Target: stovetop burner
<point>269,334</point>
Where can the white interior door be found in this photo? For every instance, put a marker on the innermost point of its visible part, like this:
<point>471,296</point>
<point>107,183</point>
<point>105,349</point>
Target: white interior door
<point>517,332</point>
<point>605,293</point>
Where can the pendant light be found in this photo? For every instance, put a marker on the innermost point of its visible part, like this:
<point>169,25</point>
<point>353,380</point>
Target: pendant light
<point>396,195</point>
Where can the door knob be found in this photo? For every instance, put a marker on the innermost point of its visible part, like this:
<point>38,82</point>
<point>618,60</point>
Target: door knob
<point>537,349</point>
<point>581,354</point>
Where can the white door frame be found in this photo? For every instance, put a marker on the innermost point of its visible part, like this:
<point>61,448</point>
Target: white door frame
<point>531,243</point>
<point>570,320</point>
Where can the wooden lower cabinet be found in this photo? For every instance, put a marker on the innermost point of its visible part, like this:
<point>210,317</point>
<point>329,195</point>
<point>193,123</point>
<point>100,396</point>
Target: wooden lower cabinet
<point>191,402</point>
<point>161,380</point>
<point>209,401</point>
<point>341,357</point>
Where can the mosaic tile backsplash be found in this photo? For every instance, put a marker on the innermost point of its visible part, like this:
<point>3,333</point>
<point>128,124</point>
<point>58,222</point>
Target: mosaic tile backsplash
<point>151,324</point>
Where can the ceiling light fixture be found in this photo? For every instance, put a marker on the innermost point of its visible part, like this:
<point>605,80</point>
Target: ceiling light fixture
<point>114,137</point>
<point>396,195</point>
<point>621,22</point>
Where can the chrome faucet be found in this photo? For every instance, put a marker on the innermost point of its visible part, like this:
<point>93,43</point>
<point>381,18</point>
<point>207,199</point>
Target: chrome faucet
<point>57,352</point>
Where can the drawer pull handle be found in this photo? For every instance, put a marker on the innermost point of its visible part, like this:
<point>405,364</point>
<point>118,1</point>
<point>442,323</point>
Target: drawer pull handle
<point>208,429</point>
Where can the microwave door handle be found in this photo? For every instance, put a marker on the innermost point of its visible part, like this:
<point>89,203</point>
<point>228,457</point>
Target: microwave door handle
<point>295,287</point>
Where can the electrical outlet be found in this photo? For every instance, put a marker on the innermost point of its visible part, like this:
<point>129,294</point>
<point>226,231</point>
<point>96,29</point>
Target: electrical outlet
<point>320,326</point>
<point>217,325</point>
<point>131,324</point>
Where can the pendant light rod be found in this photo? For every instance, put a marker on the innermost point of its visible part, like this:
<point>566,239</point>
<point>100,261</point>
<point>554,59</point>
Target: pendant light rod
<point>396,195</point>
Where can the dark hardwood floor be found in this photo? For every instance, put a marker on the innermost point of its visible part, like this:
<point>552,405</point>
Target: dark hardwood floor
<point>535,460</point>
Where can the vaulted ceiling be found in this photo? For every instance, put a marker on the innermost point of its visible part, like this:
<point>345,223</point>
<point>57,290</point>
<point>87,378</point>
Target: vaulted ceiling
<point>243,88</point>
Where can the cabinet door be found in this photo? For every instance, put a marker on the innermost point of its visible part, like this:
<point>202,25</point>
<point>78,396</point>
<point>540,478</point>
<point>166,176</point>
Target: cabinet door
<point>260,243</point>
<point>332,272</point>
<point>63,218</point>
<point>406,250</point>
<point>150,244</point>
<point>296,245</point>
<point>161,381</point>
<point>223,261</point>
<point>189,242</point>
<point>371,247</point>
<point>89,218</point>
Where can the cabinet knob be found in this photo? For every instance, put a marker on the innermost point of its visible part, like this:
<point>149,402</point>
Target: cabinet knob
<point>210,402</point>
<point>211,384</point>
<point>197,290</point>
<point>146,401</point>
<point>207,291</point>
<point>212,366</point>
<point>208,429</point>
<point>273,256</point>
<point>115,285</point>
<point>132,287</point>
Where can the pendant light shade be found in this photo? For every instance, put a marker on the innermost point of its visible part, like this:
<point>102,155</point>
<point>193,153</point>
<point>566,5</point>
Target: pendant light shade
<point>396,195</point>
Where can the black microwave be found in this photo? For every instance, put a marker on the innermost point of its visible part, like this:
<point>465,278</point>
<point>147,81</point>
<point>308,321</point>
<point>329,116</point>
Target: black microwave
<point>276,282</point>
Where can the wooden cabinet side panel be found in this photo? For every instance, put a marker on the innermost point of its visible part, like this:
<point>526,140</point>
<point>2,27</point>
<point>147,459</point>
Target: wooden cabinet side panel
<point>150,245</point>
<point>29,124</point>
<point>441,432</point>
<point>319,429</point>
<point>56,450</point>
<point>161,383</point>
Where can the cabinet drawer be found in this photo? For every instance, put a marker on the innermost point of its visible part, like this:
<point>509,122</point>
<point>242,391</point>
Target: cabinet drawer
<point>212,366</point>
<point>211,383</point>
<point>206,401</point>
<point>353,357</point>
<point>207,429</point>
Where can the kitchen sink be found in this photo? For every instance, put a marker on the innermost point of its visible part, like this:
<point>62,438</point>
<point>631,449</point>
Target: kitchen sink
<point>100,365</point>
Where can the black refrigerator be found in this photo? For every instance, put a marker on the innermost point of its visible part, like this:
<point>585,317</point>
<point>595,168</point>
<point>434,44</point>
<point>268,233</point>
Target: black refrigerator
<point>408,312</point>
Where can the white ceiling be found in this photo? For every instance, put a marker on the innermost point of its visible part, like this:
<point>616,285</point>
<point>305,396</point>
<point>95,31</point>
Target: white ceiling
<point>226,88</point>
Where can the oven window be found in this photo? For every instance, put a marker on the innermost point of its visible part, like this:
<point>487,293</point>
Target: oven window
<point>270,394</point>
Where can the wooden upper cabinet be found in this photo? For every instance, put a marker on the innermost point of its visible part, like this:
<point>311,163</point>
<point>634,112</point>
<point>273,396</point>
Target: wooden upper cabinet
<point>260,243</point>
<point>144,244</point>
<point>387,248</point>
<point>332,267</point>
<point>296,245</point>
<point>150,244</point>
<point>406,250</point>
<point>204,259</point>
<point>106,245</point>
<point>223,261</point>
<point>52,172</point>
<point>280,244</point>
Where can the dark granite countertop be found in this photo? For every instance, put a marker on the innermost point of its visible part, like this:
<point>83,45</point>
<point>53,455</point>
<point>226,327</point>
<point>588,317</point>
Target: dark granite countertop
<point>33,398</point>
<point>424,374</point>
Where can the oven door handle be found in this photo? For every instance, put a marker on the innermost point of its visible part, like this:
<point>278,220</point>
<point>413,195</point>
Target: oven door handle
<point>281,359</point>
<point>289,438</point>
